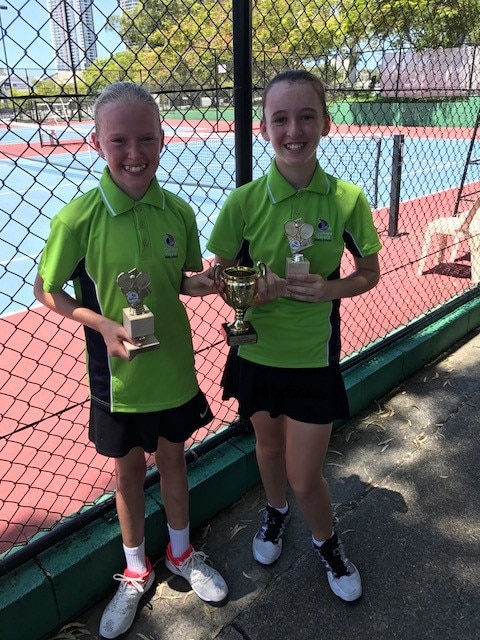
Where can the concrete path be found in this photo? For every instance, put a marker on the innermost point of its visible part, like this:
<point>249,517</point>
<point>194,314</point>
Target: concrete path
<point>405,483</point>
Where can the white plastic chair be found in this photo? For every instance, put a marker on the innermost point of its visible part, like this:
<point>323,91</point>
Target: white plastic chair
<point>451,231</point>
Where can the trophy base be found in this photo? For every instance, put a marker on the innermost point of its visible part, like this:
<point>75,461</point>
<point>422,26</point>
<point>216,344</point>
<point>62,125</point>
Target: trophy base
<point>297,265</point>
<point>249,336</point>
<point>150,343</point>
<point>138,325</point>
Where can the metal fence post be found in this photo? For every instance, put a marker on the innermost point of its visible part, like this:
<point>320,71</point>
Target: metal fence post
<point>242,90</point>
<point>397,161</point>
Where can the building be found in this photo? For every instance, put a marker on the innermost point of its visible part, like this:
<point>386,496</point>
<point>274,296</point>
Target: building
<point>127,5</point>
<point>441,72</point>
<point>73,33</point>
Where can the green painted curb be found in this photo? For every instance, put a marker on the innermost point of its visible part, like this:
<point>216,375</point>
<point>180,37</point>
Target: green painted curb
<point>43,594</point>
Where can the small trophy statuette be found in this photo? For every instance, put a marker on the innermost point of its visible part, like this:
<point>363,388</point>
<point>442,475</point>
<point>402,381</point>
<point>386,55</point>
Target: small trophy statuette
<point>240,287</point>
<point>138,320</point>
<point>299,235</point>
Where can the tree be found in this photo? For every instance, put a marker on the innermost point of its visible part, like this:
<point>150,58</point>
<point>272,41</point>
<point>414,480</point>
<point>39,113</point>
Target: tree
<point>420,24</point>
<point>192,38</point>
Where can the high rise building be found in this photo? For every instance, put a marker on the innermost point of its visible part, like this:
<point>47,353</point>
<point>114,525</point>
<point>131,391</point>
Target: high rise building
<point>126,5</point>
<point>73,33</point>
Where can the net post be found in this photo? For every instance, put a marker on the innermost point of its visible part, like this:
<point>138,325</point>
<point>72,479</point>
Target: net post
<point>397,161</point>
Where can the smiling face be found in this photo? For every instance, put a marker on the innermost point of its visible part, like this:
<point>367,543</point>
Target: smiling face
<point>129,136</point>
<point>294,120</point>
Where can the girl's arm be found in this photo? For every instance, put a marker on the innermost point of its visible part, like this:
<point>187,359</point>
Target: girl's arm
<point>200,284</point>
<point>112,332</point>
<point>313,288</point>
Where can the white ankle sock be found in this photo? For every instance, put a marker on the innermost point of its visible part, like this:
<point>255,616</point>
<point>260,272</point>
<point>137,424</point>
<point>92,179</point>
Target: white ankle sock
<point>283,510</point>
<point>135,557</point>
<point>318,543</point>
<point>179,540</point>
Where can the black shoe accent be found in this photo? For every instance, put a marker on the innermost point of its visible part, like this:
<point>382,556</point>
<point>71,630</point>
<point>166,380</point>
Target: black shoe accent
<point>273,524</point>
<point>333,557</point>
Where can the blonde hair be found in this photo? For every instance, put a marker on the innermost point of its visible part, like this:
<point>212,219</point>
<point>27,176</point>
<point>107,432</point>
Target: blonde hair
<point>123,92</point>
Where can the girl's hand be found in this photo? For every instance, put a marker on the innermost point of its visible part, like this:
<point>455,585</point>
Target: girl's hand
<point>311,287</point>
<point>308,287</point>
<point>199,284</point>
<point>114,334</point>
<point>275,287</point>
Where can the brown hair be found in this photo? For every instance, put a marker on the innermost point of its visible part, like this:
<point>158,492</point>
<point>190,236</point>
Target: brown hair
<point>298,75</point>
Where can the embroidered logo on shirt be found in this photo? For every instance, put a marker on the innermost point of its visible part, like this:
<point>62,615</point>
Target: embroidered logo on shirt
<point>170,250</point>
<point>322,231</point>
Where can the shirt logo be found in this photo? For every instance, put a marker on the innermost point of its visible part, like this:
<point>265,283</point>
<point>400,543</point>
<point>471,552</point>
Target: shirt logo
<point>170,250</point>
<point>323,232</point>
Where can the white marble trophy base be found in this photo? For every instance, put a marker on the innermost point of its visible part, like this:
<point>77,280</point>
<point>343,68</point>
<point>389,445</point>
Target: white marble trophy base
<point>141,327</point>
<point>297,264</point>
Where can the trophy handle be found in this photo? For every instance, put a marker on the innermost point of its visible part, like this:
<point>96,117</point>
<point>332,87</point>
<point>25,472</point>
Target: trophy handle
<point>262,271</point>
<point>217,279</point>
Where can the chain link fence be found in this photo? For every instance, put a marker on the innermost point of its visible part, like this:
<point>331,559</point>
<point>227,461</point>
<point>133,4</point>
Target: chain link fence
<point>404,104</point>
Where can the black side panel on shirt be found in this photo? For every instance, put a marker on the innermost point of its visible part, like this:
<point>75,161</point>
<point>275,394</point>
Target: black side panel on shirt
<point>98,369</point>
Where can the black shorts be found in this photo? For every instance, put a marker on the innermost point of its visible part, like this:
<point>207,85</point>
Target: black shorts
<point>114,434</point>
<point>315,396</point>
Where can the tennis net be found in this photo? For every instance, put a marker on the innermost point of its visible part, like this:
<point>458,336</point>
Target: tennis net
<point>211,163</point>
<point>68,134</point>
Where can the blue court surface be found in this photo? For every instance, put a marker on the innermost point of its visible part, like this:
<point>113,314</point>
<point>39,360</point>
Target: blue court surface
<point>202,172</point>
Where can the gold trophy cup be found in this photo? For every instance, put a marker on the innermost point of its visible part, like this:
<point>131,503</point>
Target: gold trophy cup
<point>138,320</point>
<point>240,287</point>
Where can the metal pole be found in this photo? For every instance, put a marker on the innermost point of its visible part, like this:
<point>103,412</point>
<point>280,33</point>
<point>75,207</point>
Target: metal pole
<point>397,161</point>
<point>242,90</point>
<point>9,75</point>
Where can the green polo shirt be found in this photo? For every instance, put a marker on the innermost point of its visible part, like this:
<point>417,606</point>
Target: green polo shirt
<point>102,234</point>
<point>292,333</point>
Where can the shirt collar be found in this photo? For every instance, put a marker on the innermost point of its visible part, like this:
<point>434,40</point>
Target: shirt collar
<point>279,189</point>
<point>118,202</point>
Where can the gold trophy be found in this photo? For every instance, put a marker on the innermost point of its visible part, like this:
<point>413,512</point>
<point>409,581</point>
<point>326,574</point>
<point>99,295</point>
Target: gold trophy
<point>240,287</point>
<point>299,235</point>
<point>138,320</point>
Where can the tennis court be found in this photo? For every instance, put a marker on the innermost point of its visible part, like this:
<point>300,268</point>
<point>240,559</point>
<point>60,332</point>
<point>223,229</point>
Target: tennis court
<point>51,470</point>
<point>38,180</point>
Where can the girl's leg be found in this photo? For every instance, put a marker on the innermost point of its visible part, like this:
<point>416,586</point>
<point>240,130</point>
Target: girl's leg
<point>207,583</point>
<point>270,451</point>
<point>120,612</point>
<point>130,496</point>
<point>306,448</point>
<point>170,461</point>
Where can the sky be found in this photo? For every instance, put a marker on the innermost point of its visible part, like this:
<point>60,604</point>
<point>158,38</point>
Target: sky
<point>27,44</point>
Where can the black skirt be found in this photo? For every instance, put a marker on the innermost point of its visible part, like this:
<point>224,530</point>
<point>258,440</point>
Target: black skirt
<point>312,395</point>
<point>114,434</point>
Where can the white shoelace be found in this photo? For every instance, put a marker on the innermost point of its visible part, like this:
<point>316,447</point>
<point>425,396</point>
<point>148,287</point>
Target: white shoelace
<point>137,583</point>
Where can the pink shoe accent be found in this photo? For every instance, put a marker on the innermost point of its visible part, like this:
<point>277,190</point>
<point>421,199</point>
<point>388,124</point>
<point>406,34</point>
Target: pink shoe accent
<point>182,558</point>
<point>139,576</point>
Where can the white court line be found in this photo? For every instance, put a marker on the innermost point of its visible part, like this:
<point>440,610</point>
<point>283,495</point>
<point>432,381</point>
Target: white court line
<point>33,256</point>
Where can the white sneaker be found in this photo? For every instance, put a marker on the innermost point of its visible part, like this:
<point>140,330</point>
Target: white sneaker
<point>120,612</point>
<point>343,576</point>
<point>207,583</point>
